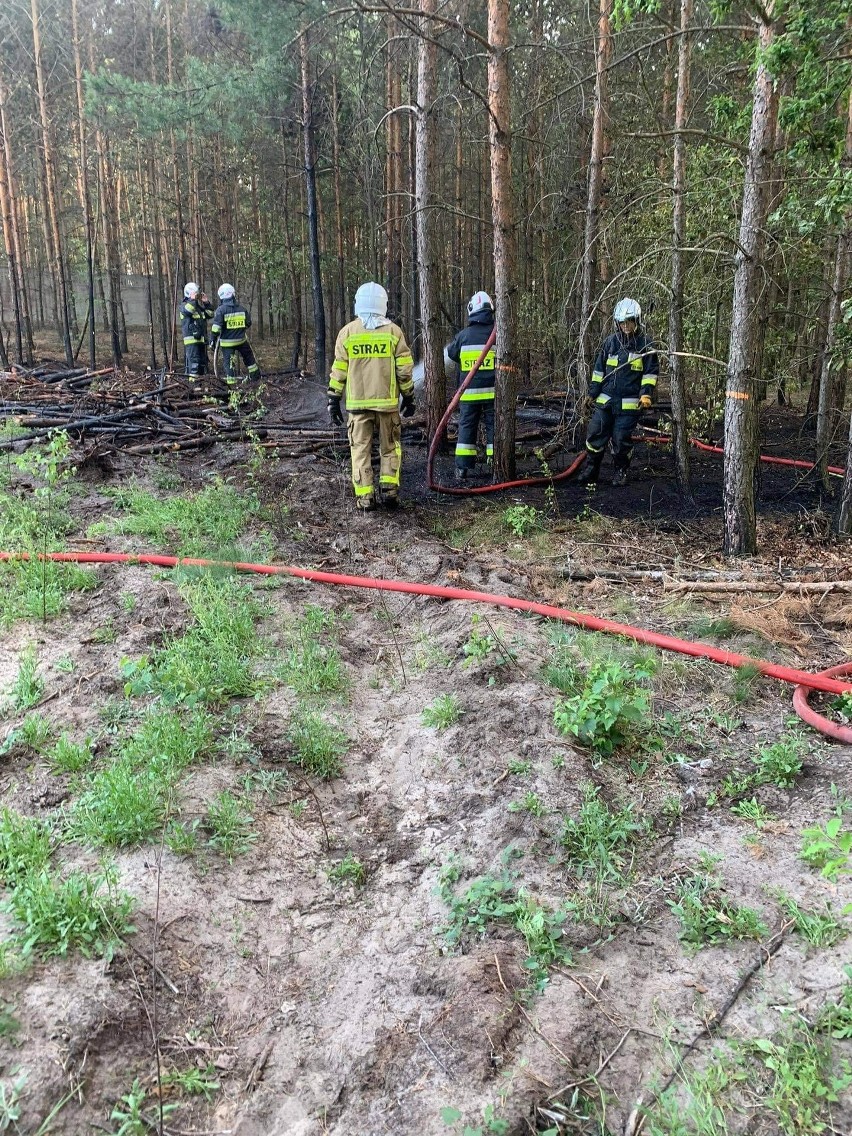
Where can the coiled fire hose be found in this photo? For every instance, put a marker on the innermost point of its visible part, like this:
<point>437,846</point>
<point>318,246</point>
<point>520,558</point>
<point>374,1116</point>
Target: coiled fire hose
<point>805,682</point>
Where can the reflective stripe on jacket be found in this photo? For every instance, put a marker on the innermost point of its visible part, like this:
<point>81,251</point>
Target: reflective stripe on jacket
<point>193,320</point>
<point>230,323</point>
<point>625,369</point>
<point>372,367</point>
<point>466,348</point>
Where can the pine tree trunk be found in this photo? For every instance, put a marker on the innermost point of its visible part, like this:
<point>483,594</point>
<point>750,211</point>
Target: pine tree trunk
<point>603,55</point>
<point>51,190</point>
<point>677,368</point>
<point>83,184</point>
<point>427,89</point>
<point>10,241</point>
<point>313,220</point>
<point>338,206</point>
<point>505,238</point>
<point>740,523</point>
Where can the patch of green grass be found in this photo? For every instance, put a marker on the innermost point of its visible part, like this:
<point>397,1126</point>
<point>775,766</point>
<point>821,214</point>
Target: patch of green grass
<point>9,1024</point>
<point>610,705</point>
<point>168,741</point>
<point>265,782</point>
<point>696,1104</point>
<point>752,811</point>
<point>827,848</point>
<point>35,731</point>
<point>208,523</point>
<point>182,839</point>
<point>193,1081</point>
<point>229,824</point>
<point>836,1017</point>
<point>597,843</point>
<point>319,746</point>
<point>745,683</point>
<point>349,870</point>
<point>777,764</point>
<point>444,712</point>
<point>67,756</point>
<point>121,807</point>
<point>819,928</point>
<point>11,1093</point>
<point>708,916</point>
<point>84,911</point>
<point>28,687</point>
<point>713,627</point>
<point>25,846</point>
<point>493,900</point>
<point>214,659</point>
<point>312,663</point>
<point>521,519</point>
<point>803,1080</point>
<point>530,803</point>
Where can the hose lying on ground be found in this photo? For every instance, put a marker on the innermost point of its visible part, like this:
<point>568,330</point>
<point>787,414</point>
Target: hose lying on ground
<point>824,681</point>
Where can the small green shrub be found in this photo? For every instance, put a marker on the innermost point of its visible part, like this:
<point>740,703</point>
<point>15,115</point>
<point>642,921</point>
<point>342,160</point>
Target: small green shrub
<point>230,825</point>
<point>318,745</point>
<point>777,764</point>
<point>805,1081</point>
<point>521,519</point>
<point>85,911</point>
<point>828,848</point>
<point>68,756</point>
<point>444,712</point>
<point>598,841</point>
<point>350,870</point>
<point>610,705</point>
<point>182,839</point>
<point>530,803</point>
<point>707,916</point>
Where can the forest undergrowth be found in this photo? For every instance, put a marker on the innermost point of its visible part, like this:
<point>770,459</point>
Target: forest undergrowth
<point>279,858</point>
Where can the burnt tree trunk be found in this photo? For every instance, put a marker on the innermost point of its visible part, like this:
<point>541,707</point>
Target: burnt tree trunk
<point>309,150</point>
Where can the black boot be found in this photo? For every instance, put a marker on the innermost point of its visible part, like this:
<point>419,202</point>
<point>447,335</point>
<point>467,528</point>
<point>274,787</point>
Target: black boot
<point>620,476</point>
<point>588,475</point>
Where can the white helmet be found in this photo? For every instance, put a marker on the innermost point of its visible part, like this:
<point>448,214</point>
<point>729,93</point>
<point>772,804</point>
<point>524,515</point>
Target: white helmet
<point>627,309</point>
<point>190,290</point>
<point>226,292</point>
<point>478,301</point>
<point>371,300</point>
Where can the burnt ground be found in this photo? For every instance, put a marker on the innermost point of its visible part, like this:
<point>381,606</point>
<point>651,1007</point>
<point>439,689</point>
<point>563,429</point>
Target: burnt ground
<point>319,1007</point>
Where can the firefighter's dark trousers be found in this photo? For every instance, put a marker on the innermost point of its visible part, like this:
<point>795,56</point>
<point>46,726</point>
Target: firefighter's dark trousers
<point>195,358</point>
<point>615,426</point>
<point>471,412</point>
<point>246,354</point>
<point>362,424</point>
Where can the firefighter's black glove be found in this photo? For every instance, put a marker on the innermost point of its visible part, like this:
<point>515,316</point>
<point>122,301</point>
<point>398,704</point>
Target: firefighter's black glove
<point>334,411</point>
<point>408,406</point>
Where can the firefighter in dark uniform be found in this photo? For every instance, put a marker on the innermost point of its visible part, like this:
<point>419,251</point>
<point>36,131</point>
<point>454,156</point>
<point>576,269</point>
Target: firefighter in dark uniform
<point>231,321</point>
<point>623,383</point>
<point>195,311</point>
<point>477,402</point>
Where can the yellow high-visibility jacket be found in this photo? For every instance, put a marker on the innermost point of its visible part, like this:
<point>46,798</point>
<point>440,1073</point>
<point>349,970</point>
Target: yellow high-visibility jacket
<point>372,367</point>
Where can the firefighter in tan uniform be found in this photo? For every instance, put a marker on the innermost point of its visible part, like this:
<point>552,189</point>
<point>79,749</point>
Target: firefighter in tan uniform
<point>372,365</point>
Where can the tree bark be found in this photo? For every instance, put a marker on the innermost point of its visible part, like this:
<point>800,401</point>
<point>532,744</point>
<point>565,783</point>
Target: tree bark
<point>10,240</point>
<point>677,377</point>
<point>740,524</point>
<point>311,198</point>
<point>51,191</point>
<point>427,87</point>
<point>83,184</point>
<point>505,238</point>
<point>603,55</point>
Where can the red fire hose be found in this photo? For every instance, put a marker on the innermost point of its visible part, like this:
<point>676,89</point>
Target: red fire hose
<point>824,681</point>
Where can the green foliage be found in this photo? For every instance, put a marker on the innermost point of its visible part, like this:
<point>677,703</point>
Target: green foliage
<point>84,911</point>
<point>318,745</point>
<point>695,1106</point>
<point>842,706</point>
<point>121,807</point>
<point>230,825</point>
<point>803,1083</point>
<point>836,1017</point>
<point>28,687</point>
<point>25,847</point>
<point>478,645</point>
<point>597,842</point>
<point>707,916</point>
<point>610,705</point>
<point>182,839</point>
<point>828,848</point>
<point>350,870</point>
<point>491,900</point>
<point>131,1116</point>
<point>530,803</point>
<point>204,524</point>
<point>444,712</point>
<point>213,660</point>
<point>312,664</point>
<point>777,764</point>
<point>752,811</point>
<point>68,756</point>
<point>521,519</point>
<point>10,1102</point>
<point>193,1081</point>
<point>819,928</point>
<point>35,732</point>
